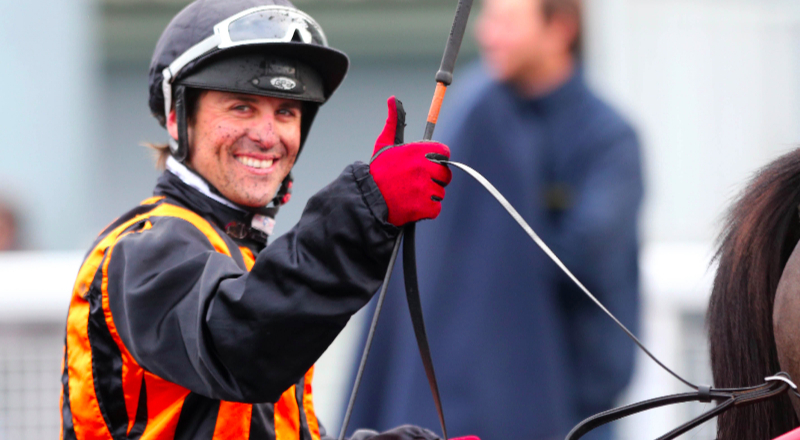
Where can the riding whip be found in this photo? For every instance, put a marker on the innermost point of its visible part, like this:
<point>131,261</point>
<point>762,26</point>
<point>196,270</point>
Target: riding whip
<point>444,77</point>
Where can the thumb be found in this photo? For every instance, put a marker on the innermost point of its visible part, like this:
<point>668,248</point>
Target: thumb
<point>392,133</point>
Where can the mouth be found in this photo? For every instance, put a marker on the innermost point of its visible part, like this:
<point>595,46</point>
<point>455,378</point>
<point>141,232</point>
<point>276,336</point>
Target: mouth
<point>256,163</point>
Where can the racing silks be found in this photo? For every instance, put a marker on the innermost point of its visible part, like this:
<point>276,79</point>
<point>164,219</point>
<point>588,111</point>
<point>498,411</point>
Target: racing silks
<point>177,331</point>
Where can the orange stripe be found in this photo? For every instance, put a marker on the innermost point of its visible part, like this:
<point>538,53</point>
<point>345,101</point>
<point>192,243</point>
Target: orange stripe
<point>131,371</point>
<point>287,416</point>
<point>166,210</point>
<point>87,418</point>
<point>83,400</point>
<point>249,258</point>
<point>61,399</point>
<point>166,401</point>
<point>131,386</point>
<point>152,200</point>
<point>436,104</point>
<point>233,421</point>
<point>308,405</point>
<point>164,404</point>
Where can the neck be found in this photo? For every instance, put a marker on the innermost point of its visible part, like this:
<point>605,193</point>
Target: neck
<point>546,77</point>
<point>191,178</point>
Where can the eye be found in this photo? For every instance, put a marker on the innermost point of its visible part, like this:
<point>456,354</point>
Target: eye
<point>289,112</point>
<point>242,108</point>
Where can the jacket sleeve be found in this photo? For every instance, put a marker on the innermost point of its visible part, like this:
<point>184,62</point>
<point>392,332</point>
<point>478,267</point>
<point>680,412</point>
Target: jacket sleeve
<point>190,315</point>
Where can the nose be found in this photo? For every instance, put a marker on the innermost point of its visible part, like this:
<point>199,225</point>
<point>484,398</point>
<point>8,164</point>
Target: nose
<point>263,132</point>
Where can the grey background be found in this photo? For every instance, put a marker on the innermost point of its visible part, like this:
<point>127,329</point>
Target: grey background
<point>76,112</point>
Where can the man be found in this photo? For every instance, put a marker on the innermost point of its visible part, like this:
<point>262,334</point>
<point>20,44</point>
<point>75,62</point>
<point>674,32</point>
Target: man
<point>535,356</point>
<point>183,324</point>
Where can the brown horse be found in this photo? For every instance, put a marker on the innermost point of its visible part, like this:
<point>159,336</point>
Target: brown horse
<point>755,303</point>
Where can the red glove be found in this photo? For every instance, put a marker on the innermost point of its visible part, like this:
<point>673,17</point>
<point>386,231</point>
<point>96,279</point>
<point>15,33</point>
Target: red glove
<point>411,184</point>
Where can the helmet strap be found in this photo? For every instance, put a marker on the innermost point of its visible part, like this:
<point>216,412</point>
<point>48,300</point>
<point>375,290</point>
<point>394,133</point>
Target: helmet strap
<point>284,192</point>
<point>180,149</point>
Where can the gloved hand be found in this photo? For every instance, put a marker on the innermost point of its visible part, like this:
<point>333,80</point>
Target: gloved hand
<point>411,184</point>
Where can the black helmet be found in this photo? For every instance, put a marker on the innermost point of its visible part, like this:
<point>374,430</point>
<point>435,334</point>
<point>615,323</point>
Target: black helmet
<point>259,47</point>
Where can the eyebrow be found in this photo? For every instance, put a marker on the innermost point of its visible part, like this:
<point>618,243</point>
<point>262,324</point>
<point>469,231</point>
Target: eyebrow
<point>242,97</point>
<point>290,103</point>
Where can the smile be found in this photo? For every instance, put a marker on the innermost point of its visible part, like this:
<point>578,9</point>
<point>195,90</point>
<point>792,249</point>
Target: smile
<point>255,163</point>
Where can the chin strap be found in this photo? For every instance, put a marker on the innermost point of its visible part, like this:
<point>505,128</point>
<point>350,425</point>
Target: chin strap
<point>180,148</point>
<point>284,193</point>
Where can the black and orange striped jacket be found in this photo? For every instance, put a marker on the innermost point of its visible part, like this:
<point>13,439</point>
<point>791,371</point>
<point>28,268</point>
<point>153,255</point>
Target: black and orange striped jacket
<point>178,331</point>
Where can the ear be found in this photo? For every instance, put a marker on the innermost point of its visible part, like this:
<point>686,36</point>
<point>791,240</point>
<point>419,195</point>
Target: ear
<point>172,124</point>
<point>567,27</point>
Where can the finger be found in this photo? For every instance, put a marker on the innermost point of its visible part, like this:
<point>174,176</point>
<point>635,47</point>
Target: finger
<point>437,193</point>
<point>435,150</point>
<point>436,157</point>
<point>440,174</point>
<point>393,130</point>
<point>436,209</point>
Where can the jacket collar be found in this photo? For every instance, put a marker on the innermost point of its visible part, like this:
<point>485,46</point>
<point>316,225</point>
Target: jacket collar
<point>194,180</point>
<point>185,187</point>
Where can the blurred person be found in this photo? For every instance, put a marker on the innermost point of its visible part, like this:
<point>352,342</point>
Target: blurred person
<point>9,227</point>
<point>534,355</point>
<point>183,323</point>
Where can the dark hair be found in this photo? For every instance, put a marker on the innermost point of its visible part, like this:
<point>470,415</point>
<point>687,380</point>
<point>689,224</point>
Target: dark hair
<point>573,8</point>
<point>161,150</point>
<point>760,233</point>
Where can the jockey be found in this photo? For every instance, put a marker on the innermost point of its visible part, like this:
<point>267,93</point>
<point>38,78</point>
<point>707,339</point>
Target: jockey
<point>183,323</point>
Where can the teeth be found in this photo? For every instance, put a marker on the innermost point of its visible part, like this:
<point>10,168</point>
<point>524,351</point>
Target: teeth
<point>254,163</point>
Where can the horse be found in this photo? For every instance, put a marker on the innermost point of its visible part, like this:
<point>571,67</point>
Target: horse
<point>754,309</point>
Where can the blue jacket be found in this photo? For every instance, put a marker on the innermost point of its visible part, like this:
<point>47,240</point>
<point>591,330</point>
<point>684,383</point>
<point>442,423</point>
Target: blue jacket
<point>519,351</point>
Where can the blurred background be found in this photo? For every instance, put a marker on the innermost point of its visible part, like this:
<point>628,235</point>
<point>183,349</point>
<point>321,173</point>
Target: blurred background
<point>713,87</point>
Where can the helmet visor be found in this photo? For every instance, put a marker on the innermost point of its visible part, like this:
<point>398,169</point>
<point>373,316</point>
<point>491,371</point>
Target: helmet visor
<point>270,24</point>
<point>259,25</point>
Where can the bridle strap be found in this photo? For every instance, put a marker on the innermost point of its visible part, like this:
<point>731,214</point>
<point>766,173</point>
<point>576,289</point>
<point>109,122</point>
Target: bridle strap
<point>727,398</point>
<point>615,414</point>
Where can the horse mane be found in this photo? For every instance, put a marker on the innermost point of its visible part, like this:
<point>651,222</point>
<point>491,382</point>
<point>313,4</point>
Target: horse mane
<point>760,232</point>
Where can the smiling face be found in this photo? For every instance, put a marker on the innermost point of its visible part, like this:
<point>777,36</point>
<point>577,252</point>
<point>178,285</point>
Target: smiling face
<point>244,145</point>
